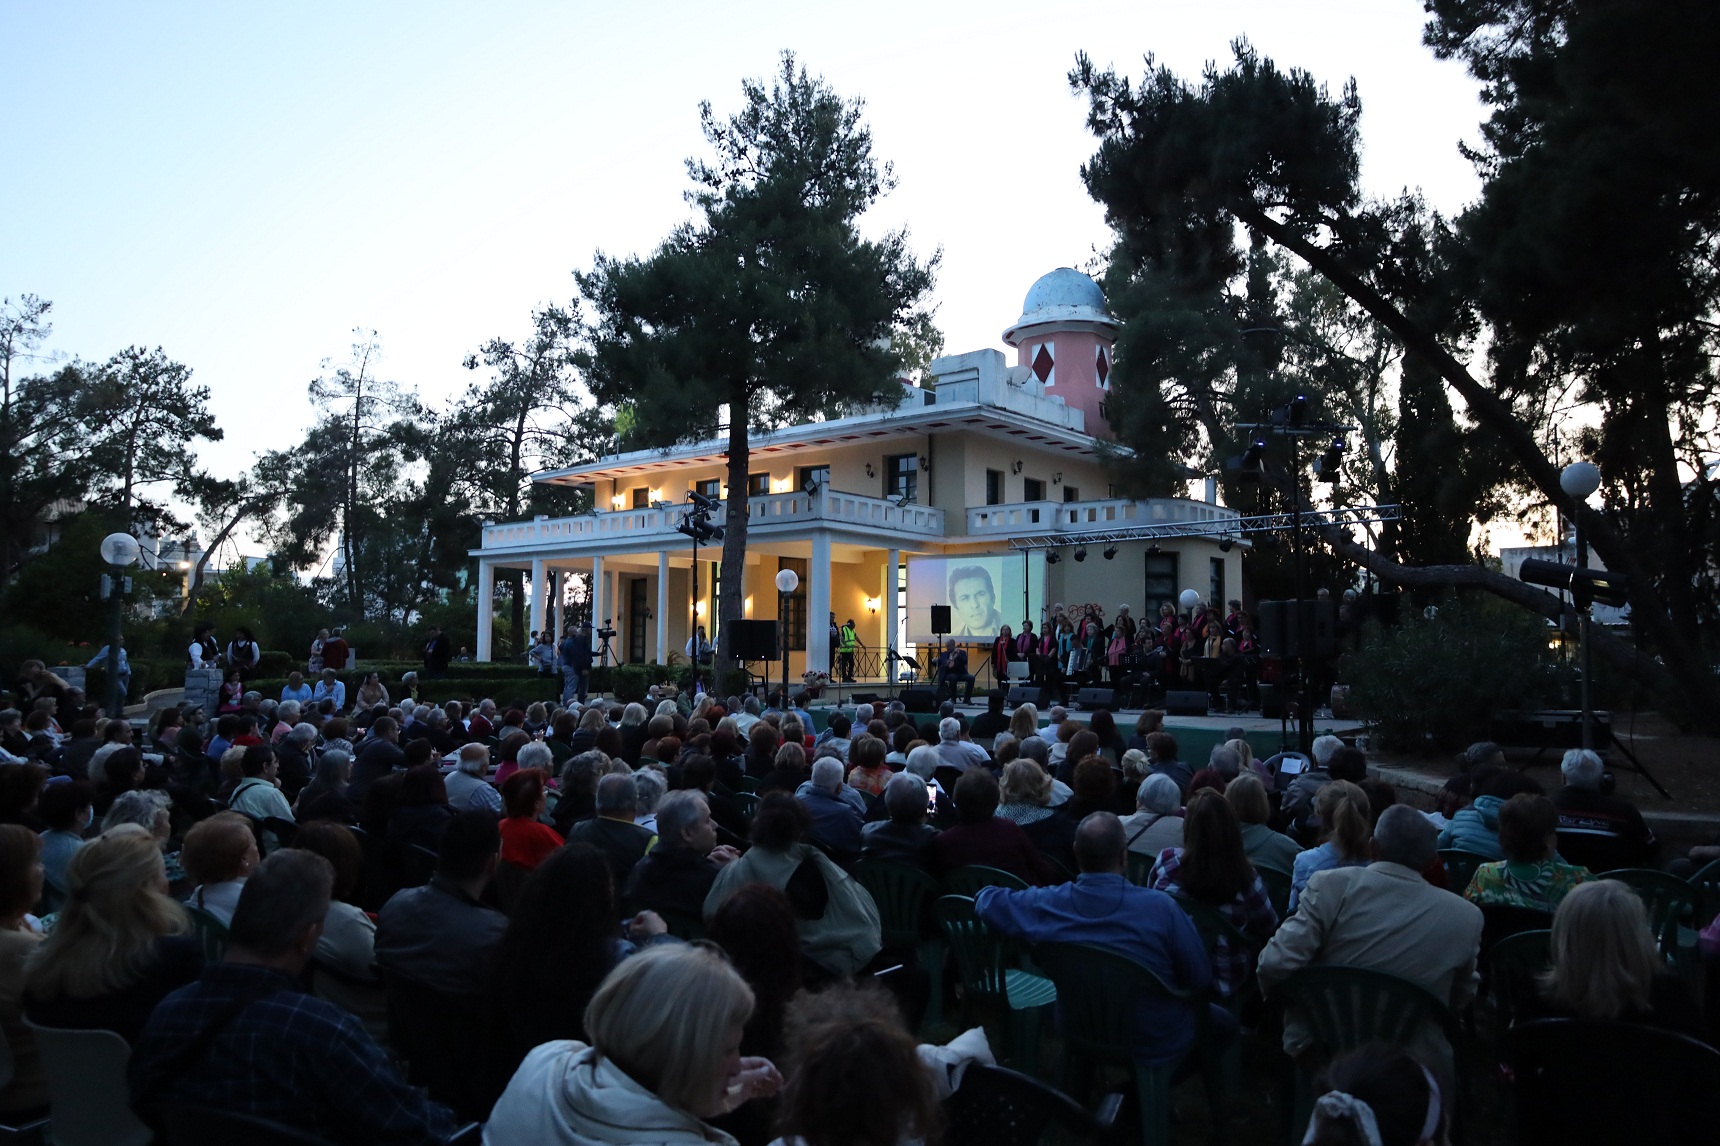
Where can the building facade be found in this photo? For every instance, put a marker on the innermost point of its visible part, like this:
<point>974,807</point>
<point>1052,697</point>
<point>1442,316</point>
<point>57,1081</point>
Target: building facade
<point>985,455</point>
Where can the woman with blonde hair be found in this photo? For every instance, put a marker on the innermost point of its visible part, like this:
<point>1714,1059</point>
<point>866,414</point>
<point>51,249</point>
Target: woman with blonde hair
<point>1026,794</point>
<point>1024,721</point>
<point>1265,847</point>
<point>219,853</point>
<point>1345,829</point>
<point>118,946</point>
<point>664,1056</point>
<point>1606,966</point>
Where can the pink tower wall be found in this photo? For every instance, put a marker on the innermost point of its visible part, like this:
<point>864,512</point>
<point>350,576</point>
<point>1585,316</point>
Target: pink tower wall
<point>1076,380</point>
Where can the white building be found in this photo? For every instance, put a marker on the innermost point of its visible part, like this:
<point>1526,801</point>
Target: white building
<point>990,455</point>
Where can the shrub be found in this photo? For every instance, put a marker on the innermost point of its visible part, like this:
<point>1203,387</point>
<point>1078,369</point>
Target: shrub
<point>276,662</point>
<point>630,682</point>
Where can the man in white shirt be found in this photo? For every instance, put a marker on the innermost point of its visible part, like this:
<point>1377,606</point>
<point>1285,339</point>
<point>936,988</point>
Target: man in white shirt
<point>330,687</point>
<point>956,752</point>
<point>468,790</point>
<point>257,796</point>
<point>748,716</point>
<point>203,652</point>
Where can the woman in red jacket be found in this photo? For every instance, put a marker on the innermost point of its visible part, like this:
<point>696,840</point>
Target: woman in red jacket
<point>526,843</point>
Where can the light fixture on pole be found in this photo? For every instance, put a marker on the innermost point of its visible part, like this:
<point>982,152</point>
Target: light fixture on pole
<point>787,581</point>
<point>696,524</point>
<point>1580,480</point>
<point>120,551</point>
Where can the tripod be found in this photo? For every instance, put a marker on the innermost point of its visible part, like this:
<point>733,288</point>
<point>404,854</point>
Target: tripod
<point>607,650</point>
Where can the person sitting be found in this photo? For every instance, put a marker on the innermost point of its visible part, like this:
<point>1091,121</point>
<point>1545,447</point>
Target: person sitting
<point>1157,823</point>
<point>119,944</point>
<point>1297,805</point>
<point>468,789</point>
<point>421,810</point>
<point>578,801</point>
<point>956,752</point>
<point>1475,829</point>
<point>1344,830</point>
<point>1383,917</point>
<point>325,798</point>
<point>26,1088</point>
<point>1025,793</point>
<point>989,723</point>
<point>1531,876</point>
<point>789,771</point>
<point>379,755</point>
<point>1377,1095</point>
<point>1597,831</point>
<point>1103,909</point>
<point>664,1030</point>
<point>835,825</point>
<point>1223,764</point>
<point>613,831</point>
<point>66,809</point>
<point>564,936</point>
<point>1162,761</point>
<point>676,876</point>
<point>348,942</point>
<point>296,754</point>
<point>952,671</point>
<point>244,1037</point>
<point>1605,965</point>
<point>868,772</point>
<point>903,837</point>
<point>980,836</point>
<point>838,922</point>
<point>526,841</point>
<point>1247,797</point>
<point>440,935</point>
<point>219,854</point>
<point>1212,868</point>
<point>258,795</point>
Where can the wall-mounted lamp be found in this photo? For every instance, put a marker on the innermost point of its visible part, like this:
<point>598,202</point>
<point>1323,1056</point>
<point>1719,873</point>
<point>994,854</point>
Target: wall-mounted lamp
<point>699,609</point>
<point>748,608</point>
<point>871,604</point>
<point>1057,478</point>
<point>870,472</point>
<point>1015,466</point>
<point>925,464</point>
<point>616,501</point>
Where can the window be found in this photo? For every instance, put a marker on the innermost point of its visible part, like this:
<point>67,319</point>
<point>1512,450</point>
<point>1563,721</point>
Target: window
<point>994,487</point>
<point>641,497</point>
<point>1216,583</point>
<point>805,474</point>
<point>793,618</point>
<point>1071,493</point>
<point>902,476</point>
<point>1032,489</point>
<point>710,487</point>
<point>1161,584</point>
<point>758,485</point>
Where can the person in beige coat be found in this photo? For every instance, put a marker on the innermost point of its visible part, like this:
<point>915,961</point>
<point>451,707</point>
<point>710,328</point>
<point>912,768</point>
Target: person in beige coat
<point>1383,917</point>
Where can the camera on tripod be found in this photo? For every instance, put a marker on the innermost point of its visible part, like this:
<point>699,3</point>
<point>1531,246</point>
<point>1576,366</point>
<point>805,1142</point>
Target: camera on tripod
<point>606,632</point>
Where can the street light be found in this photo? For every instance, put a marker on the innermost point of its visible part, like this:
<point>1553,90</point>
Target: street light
<point>120,551</point>
<point>1580,480</point>
<point>787,581</point>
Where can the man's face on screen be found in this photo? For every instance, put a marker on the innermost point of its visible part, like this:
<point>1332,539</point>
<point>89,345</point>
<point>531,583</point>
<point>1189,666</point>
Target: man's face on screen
<point>973,601</point>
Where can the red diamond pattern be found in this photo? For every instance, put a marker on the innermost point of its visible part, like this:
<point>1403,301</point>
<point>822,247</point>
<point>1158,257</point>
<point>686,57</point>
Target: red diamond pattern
<point>1042,363</point>
<point>1103,366</point>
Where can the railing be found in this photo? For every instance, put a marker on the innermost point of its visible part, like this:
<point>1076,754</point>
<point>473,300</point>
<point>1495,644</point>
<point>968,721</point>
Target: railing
<point>1079,516</point>
<point>625,525</point>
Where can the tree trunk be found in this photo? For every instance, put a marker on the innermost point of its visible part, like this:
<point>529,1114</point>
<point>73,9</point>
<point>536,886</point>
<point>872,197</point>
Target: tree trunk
<point>731,599</point>
<point>1690,673</point>
<point>196,585</point>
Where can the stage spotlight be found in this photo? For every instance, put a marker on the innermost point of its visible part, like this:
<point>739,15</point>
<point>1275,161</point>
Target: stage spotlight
<point>1081,553</point>
<point>1110,552</point>
<point>1225,544</point>
<point>1052,557</point>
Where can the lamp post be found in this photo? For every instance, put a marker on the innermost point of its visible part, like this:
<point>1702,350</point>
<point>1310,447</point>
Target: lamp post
<point>1580,480</point>
<point>787,581</point>
<point>696,524</point>
<point>120,551</point>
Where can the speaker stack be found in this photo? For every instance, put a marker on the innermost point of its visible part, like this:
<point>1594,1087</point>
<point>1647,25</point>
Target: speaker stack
<point>1024,694</point>
<point>919,700</point>
<point>1093,699</point>
<point>1185,703</point>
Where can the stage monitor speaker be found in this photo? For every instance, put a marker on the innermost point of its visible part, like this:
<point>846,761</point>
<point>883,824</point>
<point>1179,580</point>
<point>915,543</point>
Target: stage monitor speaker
<point>1317,636</point>
<point>1039,698</point>
<point>1093,699</point>
<point>1185,703</point>
<point>940,620</point>
<point>753,640</point>
<point>919,700</point>
<point>1271,702</point>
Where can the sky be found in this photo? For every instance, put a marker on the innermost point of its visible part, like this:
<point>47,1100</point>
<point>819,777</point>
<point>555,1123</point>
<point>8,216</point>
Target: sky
<point>244,184</point>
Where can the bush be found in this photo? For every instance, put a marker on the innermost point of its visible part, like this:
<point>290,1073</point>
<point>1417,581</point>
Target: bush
<point>275,662</point>
<point>630,682</point>
<point>1435,683</point>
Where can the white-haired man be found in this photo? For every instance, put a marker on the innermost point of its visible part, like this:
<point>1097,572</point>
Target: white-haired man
<point>1598,831</point>
<point>954,751</point>
<point>835,825</point>
<point>468,789</point>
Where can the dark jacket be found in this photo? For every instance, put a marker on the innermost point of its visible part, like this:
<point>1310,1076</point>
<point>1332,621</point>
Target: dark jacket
<point>896,842</point>
<point>1601,833</point>
<point>670,879</point>
<point>835,825</point>
<point>295,770</point>
<point>376,758</point>
<point>623,844</point>
<point>421,824</point>
<point>440,937</point>
<point>994,843</point>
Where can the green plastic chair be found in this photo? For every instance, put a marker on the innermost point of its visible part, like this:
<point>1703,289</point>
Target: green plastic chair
<point>1344,1008</point>
<point>1460,867</point>
<point>211,932</point>
<point>1512,965</point>
<point>1277,888</point>
<point>904,895</point>
<point>982,958</point>
<point>1139,867</point>
<point>1670,901</point>
<point>968,880</point>
<point>1098,992</point>
<point>747,803</point>
<point>751,784</point>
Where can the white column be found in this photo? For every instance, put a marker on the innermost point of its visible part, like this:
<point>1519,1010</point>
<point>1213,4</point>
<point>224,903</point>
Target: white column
<point>597,601</point>
<point>892,561</point>
<point>663,607</point>
<point>557,622</point>
<point>486,607</point>
<point>538,594</point>
<point>818,603</point>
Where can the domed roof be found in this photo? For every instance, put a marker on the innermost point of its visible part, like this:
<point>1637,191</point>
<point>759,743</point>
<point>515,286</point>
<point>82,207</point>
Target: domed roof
<point>1063,296</point>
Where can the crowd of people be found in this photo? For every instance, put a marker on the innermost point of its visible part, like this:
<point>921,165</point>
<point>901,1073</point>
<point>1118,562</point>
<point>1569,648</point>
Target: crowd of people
<point>569,850</point>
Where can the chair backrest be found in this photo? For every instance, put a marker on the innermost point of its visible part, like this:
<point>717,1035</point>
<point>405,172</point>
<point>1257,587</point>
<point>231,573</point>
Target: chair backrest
<point>1019,670</point>
<point>1512,966</point>
<point>1579,1080</point>
<point>453,1045</point>
<point>947,776</point>
<point>979,950</point>
<point>417,864</point>
<point>284,830</point>
<point>1277,888</point>
<point>968,880</point>
<point>1097,993</point>
<point>1460,867</point>
<point>211,932</point>
<point>1499,922</point>
<point>995,1106</point>
<point>206,1126</point>
<point>1138,868</point>
<point>902,893</point>
<point>1706,883</point>
<point>1212,924</point>
<point>87,1087</point>
<point>1347,1007</point>
<point>1669,900</point>
<point>747,803</point>
<point>8,1067</point>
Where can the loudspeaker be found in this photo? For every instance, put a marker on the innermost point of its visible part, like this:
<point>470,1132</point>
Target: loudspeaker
<point>753,640</point>
<point>1092,699</point>
<point>940,620</point>
<point>1271,702</point>
<point>1039,698</point>
<point>1316,637</point>
<point>919,700</point>
<point>1185,703</point>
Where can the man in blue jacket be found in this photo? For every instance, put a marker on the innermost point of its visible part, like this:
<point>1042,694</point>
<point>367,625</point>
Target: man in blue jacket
<point>1106,910</point>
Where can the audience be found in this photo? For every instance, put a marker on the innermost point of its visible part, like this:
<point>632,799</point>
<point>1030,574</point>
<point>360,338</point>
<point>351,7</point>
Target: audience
<point>468,789</point>
<point>1378,1095</point>
<point>1475,829</point>
<point>219,855</point>
<point>440,935</point>
<point>244,1038</point>
<point>954,751</point>
<point>1157,823</point>
<point>1297,807</point>
<point>421,812</point>
<point>675,877</point>
<point>1344,830</point>
<point>1600,832</point>
<point>1162,761</point>
<point>835,825</point>
<point>66,810</point>
<point>612,831</point>
<point>526,840</point>
<point>869,773</point>
<point>20,936</point>
<point>904,836</point>
<point>1265,847</point>
<point>348,942</point>
<point>1531,876</point>
<point>981,836</point>
<point>665,1030</point>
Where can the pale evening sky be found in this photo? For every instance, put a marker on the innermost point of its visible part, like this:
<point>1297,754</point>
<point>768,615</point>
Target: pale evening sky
<point>242,184</point>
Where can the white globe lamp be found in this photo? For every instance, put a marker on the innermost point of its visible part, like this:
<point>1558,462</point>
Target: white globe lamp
<point>120,549</point>
<point>1579,480</point>
<point>1189,600</point>
<point>787,581</point>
